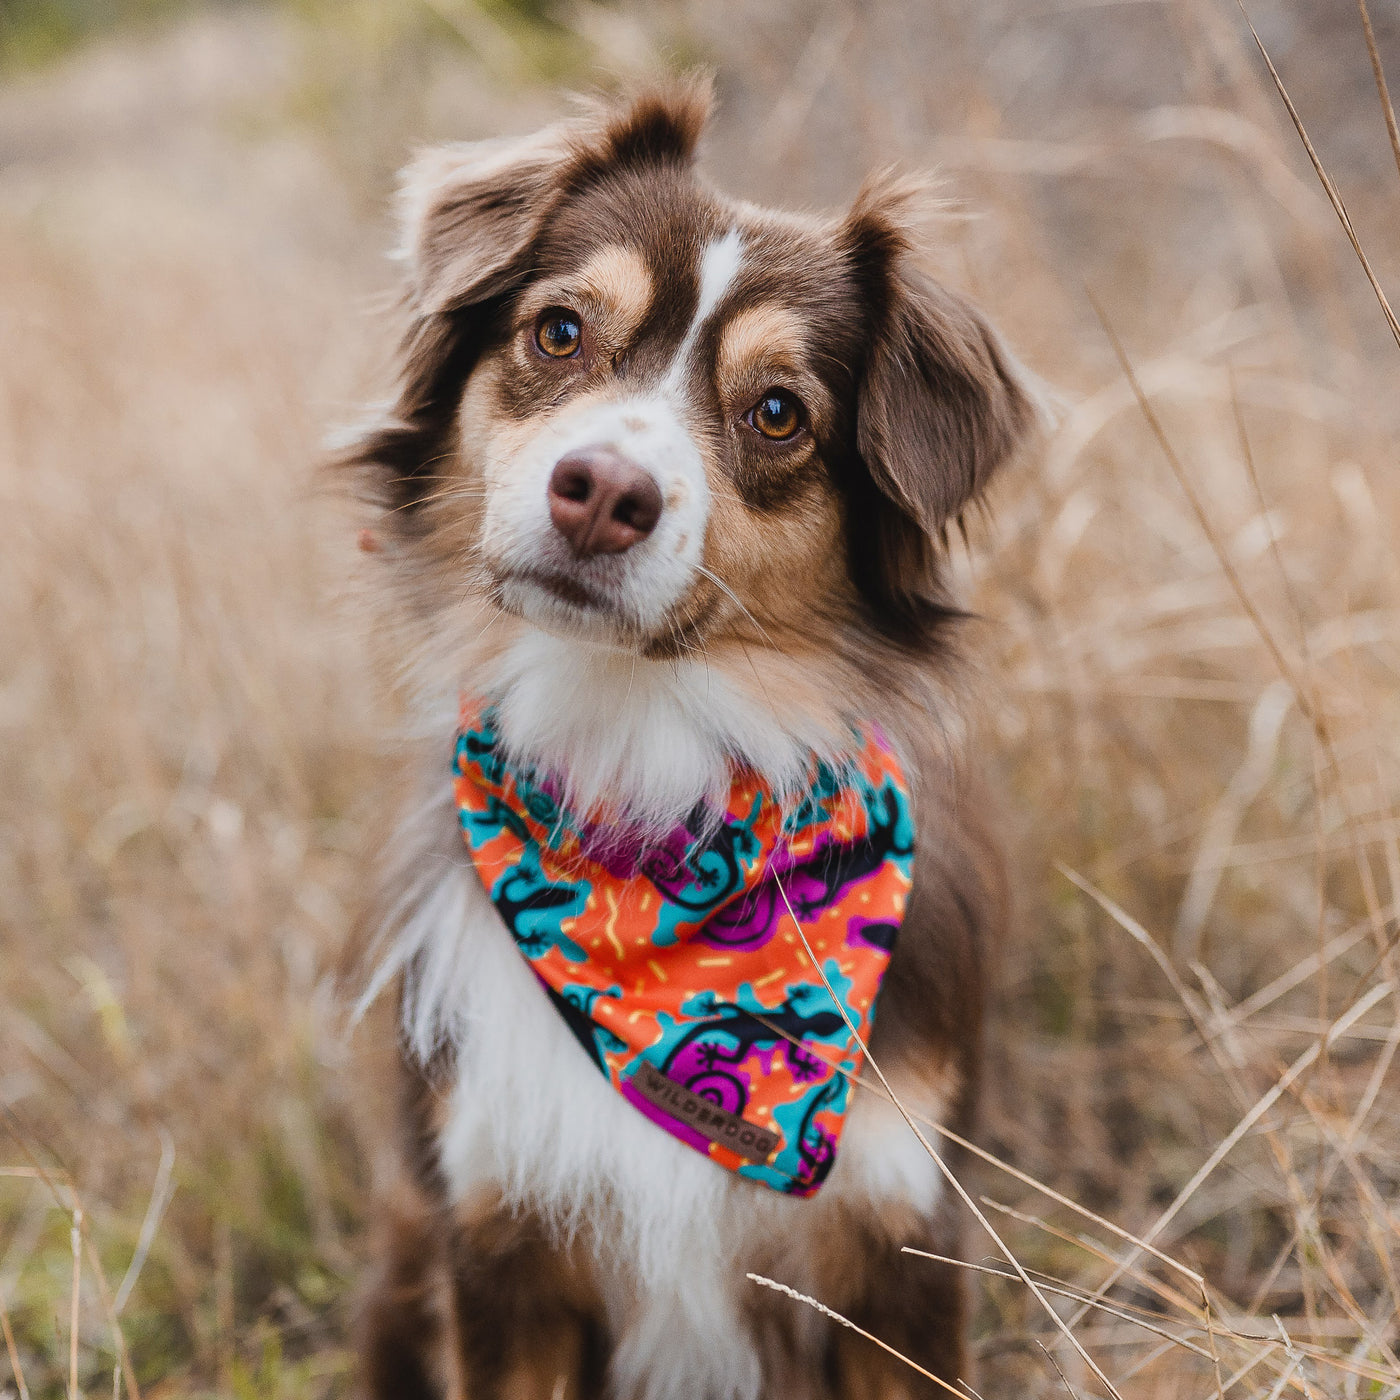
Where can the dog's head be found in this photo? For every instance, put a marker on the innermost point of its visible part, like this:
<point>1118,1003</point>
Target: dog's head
<point>640,413</point>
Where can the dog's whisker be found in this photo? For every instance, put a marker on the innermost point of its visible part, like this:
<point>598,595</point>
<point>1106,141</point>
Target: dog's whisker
<point>452,494</point>
<point>758,679</point>
<point>734,598</point>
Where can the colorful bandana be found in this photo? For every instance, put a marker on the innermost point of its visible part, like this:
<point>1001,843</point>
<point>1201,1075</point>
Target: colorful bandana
<point>676,962</point>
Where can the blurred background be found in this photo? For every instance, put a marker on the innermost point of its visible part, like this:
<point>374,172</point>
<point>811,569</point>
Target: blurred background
<point>1190,622</point>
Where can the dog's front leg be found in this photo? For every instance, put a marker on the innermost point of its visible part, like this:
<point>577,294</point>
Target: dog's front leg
<point>407,1314</point>
<point>529,1323</point>
<point>916,1306</point>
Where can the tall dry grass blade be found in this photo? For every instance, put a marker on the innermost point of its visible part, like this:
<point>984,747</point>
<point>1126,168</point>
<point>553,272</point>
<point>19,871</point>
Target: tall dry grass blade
<point>1214,1346</point>
<point>1288,1344</point>
<point>1382,91</point>
<point>1246,784</point>
<point>225,1315</point>
<point>1331,190</point>
<point>1285,1379</point>
<point>13,1351</point>
<point>1058,1371</point>
<point>1133,927</point>
<point>155,1208</point>
<point>928,1147</point>
<point>75,1240</point>
<point>860,1331</point>
<point>1164,1291</point>
<point>1373,1086</point>
<point>1275,549</point>
<point>1146,1361</point>
<point>1063,1291</point>
<point>104,1294</point>
<point>1256,1360</point>
<point>1260,1108</point>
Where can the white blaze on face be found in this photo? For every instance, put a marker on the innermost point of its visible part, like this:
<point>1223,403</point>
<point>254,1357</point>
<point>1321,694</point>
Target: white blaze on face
<point>719,266</point>
<point>652,430</point>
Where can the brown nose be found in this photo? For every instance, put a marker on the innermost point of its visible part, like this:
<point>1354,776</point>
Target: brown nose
<point>601,503</point>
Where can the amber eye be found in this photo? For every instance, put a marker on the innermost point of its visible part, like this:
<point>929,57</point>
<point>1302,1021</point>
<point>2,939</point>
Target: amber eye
<point>559,334</point>
<point>776,415</point>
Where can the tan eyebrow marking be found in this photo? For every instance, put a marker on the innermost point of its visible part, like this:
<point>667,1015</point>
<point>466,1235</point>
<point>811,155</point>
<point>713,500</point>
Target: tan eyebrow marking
<point>620,279</point>
<point>765,330</point>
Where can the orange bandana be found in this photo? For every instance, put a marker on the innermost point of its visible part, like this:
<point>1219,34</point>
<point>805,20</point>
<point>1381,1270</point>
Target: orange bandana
<point>676,961</point>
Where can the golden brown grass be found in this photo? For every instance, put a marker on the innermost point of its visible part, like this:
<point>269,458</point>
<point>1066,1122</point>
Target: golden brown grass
<point>1192,635</point>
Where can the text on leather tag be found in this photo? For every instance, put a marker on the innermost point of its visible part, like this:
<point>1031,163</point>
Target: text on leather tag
<point>751,1142</point>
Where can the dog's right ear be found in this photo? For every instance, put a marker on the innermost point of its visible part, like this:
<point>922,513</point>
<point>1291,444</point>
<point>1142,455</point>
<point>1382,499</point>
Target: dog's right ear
<point>941,406</point>
<point>470,215</point>
<point>469,212</point>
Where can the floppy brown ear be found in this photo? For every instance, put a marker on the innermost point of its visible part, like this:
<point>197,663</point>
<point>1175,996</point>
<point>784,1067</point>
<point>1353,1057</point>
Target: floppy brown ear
<point>939,407</point>
<point>470,211</point>
<point>470,216</point>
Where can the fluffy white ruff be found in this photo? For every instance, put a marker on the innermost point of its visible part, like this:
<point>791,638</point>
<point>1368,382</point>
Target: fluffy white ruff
<point>532,1121</point>
<point>651,738</point>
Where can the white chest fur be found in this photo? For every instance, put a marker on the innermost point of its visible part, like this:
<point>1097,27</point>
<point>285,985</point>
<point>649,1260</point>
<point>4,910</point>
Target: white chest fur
<point>531,1119</point>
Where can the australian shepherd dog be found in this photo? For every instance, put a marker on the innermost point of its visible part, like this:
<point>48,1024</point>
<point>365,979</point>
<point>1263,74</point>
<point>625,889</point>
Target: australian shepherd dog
<point>659,511</point>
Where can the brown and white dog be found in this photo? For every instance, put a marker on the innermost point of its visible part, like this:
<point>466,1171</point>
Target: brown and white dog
<point>667,478</point>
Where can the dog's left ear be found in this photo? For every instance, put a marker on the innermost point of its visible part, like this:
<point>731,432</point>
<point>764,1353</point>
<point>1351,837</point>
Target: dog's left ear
<point>940,404</point>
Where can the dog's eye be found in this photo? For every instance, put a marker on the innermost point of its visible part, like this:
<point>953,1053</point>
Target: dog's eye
<point>776,415</point>
<point>559,334</point>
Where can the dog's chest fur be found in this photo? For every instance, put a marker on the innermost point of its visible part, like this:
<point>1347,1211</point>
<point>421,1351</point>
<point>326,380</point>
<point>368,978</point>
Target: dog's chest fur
<point>669,1234</point>
<point>531,1124</point>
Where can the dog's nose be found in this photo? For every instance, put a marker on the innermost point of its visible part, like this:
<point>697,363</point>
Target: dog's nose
<point>602,503</point>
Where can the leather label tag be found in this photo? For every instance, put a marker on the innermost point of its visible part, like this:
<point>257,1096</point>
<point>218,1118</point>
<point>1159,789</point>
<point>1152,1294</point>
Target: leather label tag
<point>751,1142</point>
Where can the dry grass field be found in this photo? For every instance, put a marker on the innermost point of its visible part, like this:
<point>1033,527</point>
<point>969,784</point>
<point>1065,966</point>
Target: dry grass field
<point>1190,622</point>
